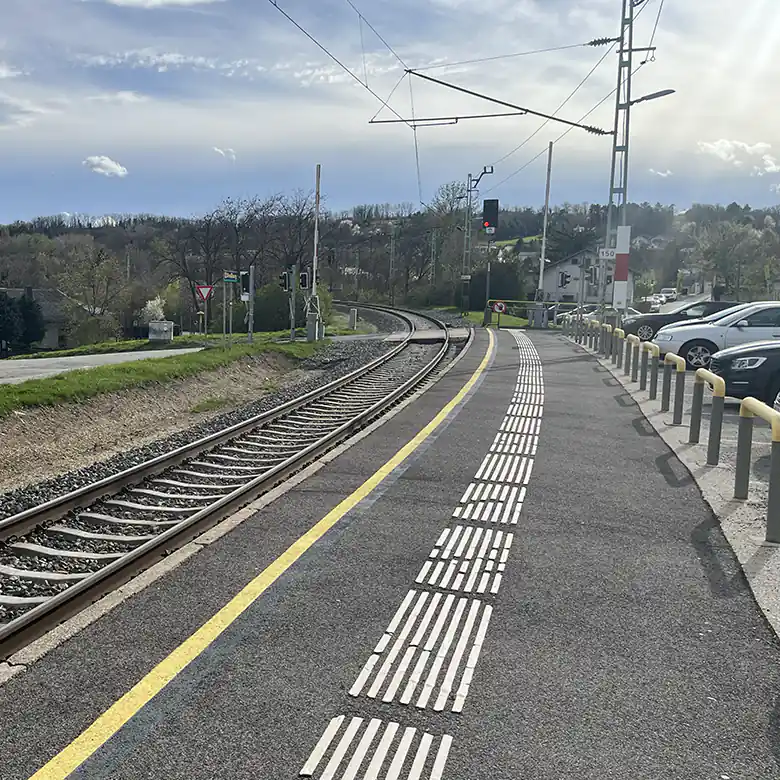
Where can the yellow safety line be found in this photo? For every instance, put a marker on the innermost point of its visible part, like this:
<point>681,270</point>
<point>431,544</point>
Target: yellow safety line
<point>112,720</point>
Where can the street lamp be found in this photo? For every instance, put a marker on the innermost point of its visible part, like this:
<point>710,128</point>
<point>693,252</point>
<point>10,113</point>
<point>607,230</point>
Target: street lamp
<point>653,96</point>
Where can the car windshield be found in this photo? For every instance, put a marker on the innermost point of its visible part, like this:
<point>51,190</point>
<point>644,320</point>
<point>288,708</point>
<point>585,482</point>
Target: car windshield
<point>719,315</point>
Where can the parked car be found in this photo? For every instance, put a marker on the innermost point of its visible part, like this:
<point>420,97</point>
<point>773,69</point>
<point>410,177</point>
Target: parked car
<point>698,343</point>
<point>585,310</point>
<point>709,318</point>
<point>647,325</point>
<point>751,369</point>
<point>670,293</point>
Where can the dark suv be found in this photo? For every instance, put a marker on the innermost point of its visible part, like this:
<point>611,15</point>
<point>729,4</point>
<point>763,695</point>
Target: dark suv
<point>647,325</point>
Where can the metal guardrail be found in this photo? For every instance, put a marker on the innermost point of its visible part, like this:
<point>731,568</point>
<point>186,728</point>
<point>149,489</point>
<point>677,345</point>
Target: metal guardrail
<point>748,410</point>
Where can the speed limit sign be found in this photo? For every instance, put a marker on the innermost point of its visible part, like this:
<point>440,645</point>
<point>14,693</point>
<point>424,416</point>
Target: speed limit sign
<point>499,307</point>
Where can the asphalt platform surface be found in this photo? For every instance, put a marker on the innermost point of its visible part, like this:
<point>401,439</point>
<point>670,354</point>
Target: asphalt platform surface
<point>623,641</point>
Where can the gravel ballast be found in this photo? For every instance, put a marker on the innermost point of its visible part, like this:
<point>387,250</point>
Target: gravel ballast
<point>332,362</point>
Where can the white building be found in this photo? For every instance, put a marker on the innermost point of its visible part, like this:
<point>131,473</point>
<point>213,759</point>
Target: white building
<point>562,279</point>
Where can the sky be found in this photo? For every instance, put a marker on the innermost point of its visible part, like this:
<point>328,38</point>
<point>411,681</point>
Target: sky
<point>170,106</point>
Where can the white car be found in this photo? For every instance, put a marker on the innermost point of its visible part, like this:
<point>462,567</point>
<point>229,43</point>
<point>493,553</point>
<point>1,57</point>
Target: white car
<point>670,293</point>
<point>698,343</point>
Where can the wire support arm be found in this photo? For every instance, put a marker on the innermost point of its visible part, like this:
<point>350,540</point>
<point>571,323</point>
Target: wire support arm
<point>587,128</point>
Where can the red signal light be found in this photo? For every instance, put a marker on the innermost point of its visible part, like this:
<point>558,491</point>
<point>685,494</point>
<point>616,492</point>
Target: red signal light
<point>487,224</point>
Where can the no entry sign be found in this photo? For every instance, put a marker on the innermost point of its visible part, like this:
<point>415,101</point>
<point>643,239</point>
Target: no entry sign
<point>499,307</point>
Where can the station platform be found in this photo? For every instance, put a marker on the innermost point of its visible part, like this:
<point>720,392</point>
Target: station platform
<point>499,582</point>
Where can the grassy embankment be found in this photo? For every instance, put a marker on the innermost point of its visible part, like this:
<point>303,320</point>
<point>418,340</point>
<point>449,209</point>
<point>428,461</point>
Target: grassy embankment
<point>83,384</point>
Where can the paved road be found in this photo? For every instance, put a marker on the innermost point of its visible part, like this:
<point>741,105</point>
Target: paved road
<point>616,645</point>
<point>15,371</point>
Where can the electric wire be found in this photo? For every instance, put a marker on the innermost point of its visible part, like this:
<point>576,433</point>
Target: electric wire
<point>499,56</point>
<point>657,20</point>
<point>560,107</point>
<point>563,134</point>
<point>376,32</point>
<point>335,59</point>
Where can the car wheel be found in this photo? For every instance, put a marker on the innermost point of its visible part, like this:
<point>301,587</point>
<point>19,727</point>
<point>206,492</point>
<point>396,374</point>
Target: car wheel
<point>645,332</point>
<point>698,354</point>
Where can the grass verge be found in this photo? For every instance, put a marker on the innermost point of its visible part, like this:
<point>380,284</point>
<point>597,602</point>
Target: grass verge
<point>477,317</point>
<point>82,384</point>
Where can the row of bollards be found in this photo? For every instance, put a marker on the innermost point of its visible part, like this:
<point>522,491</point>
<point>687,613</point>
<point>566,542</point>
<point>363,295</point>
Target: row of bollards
<point>641,360</point>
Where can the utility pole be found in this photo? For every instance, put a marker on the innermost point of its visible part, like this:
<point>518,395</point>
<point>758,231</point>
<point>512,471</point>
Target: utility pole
<point>313,314</point>
<point>618,177</point>
<point>542,259</point>
<point>434,233</point>
<point>392,265</point>
<point>251,304</point>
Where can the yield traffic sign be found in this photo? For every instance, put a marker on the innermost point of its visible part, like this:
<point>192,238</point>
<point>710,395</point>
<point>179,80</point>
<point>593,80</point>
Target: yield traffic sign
<point>205,291</point>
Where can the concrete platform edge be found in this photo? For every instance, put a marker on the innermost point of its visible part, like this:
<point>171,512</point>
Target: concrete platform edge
<point>742,522</point>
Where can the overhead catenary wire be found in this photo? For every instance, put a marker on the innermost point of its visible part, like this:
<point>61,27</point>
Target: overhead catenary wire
<point>335,59</point>
<point>560,107</point>
<point>562,135</point>
<point>376,32</point>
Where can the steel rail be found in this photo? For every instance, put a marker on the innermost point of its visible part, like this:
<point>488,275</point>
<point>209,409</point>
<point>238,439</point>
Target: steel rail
<point>15,633</point>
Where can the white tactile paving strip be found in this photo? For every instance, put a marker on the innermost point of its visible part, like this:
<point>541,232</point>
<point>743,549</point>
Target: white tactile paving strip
<point>427,656</point>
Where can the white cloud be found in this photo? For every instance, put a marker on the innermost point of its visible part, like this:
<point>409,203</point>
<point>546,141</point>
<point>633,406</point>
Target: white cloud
<point>158,3</point>
<point>105,166</point>
<point>123,96</point>
<point>8,72</point>
<point>733,152</point>
<point>227,153</point>
<point>663,174</point>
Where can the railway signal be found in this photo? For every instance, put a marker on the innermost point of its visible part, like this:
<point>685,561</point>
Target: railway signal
<point>284,281</point>
<point>563,279</point>
<point>490,215</point>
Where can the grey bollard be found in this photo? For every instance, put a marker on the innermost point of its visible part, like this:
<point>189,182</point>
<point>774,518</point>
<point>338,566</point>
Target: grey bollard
<point>773,502</point>
<point>679,397</point>
<point>643,371</point>
<point>744,452</point>
<point>716,428</point>
<point>654,378</point>
<point>635,363</point>
<point>696,409</point>
<point>666,389</point>
<point>627,366</point>
<point>620,343</point>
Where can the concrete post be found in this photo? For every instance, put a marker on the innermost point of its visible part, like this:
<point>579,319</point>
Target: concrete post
<point>679,397</point>
<point>744,452</point>
<point>716,428</point>
<point>696,410</point>
<point>643,371</point>
<point>773,503</point>
<point>353,319</point>
<point>666,389</point>
<point>654,366</point>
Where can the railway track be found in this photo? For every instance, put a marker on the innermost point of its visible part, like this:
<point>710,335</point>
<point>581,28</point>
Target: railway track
<point>64,554</point>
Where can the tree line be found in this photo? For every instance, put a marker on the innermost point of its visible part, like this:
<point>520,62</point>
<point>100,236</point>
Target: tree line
<point>111,268</point>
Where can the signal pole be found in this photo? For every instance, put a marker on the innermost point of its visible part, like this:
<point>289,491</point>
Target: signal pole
<point>472,184</point>
<point>313,314</point>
